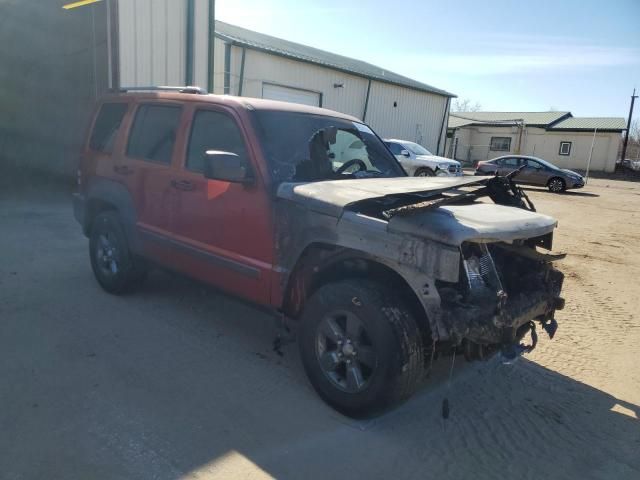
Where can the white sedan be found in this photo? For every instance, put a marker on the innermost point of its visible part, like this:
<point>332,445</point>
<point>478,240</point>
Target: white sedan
<point>420,162</point>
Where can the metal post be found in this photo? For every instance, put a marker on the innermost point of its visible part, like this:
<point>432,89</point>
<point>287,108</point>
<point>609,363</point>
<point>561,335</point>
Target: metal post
<point>93,52</point>
<point>241,81</point>
<point>211,45</point>
<point>626,137</point>
<point>188,80</point>
<point>593,141</point>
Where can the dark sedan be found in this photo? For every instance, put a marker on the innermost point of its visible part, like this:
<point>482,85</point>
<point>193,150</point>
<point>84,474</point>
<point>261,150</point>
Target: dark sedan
<point>533,171</point>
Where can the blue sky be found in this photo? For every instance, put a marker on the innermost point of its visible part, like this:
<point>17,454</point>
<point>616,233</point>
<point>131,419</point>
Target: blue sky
<point>582,56</point>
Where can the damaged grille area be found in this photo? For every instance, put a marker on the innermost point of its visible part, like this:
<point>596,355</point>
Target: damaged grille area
<point>503,287</point>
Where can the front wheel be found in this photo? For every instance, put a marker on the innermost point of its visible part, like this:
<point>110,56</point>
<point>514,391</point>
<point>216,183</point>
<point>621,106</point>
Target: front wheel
<point>114,265</point>
<point>425,172</point>
<point>361,347</point>
<point>556,185</point>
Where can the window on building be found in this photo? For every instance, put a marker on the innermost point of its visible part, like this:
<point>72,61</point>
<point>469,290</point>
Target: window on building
<point>213,131</point>
<point>154,133</point>
<point>106,127</point>
<point>565,148</point>
<point>500,144</point>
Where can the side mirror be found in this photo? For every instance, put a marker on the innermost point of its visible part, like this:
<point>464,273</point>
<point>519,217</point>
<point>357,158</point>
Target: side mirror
<point>405,153</point>
<point>227,166</point>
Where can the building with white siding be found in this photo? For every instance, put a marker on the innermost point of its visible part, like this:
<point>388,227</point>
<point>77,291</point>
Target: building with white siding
<point>258,65</point>
<point>558,137</point>
<point>68,58</point>
<point>169,42</point>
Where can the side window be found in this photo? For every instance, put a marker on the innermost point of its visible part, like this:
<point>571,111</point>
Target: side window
<point>153,133</point>
<point>395,148</point>
<point>106,126</point>
<point>533,164</point>
<point>213,131</point>
<point>510,162</point>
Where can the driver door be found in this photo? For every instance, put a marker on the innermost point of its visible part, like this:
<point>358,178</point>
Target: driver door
<point>534,173</point>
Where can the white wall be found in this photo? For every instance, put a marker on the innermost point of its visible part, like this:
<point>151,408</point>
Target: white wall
<point>417,116</point>
<point>475,140</point>
<point>152,40</point>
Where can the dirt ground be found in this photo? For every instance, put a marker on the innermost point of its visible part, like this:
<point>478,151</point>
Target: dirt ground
<point>178,381</point>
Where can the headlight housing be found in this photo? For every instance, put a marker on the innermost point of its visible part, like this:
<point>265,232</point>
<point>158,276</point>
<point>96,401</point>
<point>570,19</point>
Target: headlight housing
<point>443,166</point>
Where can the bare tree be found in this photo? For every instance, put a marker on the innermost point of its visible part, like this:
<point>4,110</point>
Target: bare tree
<point>466,105</point>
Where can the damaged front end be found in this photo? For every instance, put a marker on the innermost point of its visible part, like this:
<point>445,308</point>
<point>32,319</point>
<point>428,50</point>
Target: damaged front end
<point>503,290</point>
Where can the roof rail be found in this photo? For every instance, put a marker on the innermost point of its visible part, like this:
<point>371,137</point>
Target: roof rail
<point>185,89</point>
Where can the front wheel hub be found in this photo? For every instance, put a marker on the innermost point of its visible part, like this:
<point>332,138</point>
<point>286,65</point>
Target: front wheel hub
<point>345,352</point>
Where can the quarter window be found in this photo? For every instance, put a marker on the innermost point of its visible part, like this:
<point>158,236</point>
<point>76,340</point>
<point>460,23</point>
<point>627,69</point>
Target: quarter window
<point>500,144</point>
<point>213,131</point>
<point>154,133</point>
<point>106,126</point>
<point>565,148</point>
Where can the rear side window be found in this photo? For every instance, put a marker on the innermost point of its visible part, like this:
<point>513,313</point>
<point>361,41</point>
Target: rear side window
<point>153,133</point>
<point>213,131</point>
<point>106,126</point>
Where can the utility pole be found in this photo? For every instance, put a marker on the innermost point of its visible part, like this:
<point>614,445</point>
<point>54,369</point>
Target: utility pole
<point>626,137</point>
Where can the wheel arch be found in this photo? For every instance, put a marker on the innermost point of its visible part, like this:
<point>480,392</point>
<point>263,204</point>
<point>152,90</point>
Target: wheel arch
<point>321,263</point>
<point>105,195</point>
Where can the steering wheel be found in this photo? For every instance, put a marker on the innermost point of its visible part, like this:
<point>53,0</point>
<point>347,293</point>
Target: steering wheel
<point>356,161</point>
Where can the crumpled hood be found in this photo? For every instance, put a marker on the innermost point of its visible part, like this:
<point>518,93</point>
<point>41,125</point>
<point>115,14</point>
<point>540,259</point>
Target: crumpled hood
<point>437,159</point>
<point>452,225</point>
<point>478,222</point>
<point>332,196</point>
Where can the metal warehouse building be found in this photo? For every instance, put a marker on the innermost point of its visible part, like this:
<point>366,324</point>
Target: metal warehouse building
<point>252,64</point>
<point>68,58</point>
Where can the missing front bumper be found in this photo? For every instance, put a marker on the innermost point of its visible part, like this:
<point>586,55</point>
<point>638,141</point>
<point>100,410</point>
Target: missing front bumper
<point>504,292</point>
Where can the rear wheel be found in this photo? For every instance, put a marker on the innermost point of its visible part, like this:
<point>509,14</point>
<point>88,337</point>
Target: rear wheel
<point>360,346</point>
<point>114,266</point>
<point>424,172</point>
<point>556,185</point>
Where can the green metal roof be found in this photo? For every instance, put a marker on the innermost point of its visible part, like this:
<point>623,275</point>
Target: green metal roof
<point>532,119</point>
<point>297,51</point>
<point>591,123</point>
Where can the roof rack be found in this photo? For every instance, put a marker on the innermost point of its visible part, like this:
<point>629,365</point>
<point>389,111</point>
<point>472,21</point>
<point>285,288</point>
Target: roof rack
<point>186,89</point>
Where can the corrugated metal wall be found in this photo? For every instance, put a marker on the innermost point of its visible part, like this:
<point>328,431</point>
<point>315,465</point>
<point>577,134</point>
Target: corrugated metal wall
<point>152,36</point>
<point>417,116</point>
<point>407,114</point>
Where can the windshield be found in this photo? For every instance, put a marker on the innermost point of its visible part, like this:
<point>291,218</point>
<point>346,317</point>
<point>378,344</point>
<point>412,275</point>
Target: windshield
<point>416,149</point>
<point>301,147</point>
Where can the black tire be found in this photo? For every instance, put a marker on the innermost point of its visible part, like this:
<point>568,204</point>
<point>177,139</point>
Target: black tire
<point>424,172</point>
<point>556,185</point>
<point>114,266</point>
<point>390,332</point>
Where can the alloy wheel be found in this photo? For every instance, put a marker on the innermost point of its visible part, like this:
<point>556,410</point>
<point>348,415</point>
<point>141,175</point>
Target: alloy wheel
<point>345,352</point>
<point>107,257</point>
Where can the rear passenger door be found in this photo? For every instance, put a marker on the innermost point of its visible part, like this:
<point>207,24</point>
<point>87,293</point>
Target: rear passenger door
<point>147,169</point>
<point>223,229</point>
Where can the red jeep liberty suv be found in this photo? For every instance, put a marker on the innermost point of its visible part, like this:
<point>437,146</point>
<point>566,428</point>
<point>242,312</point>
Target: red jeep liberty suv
<point>305,211</point>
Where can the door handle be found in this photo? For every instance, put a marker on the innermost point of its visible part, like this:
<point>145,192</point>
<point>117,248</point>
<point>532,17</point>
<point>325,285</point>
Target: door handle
<point>122,169</point>
<point>184,185</point>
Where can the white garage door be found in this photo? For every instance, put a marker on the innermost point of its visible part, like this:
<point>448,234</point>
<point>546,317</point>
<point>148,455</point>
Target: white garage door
<point>293,95</point>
